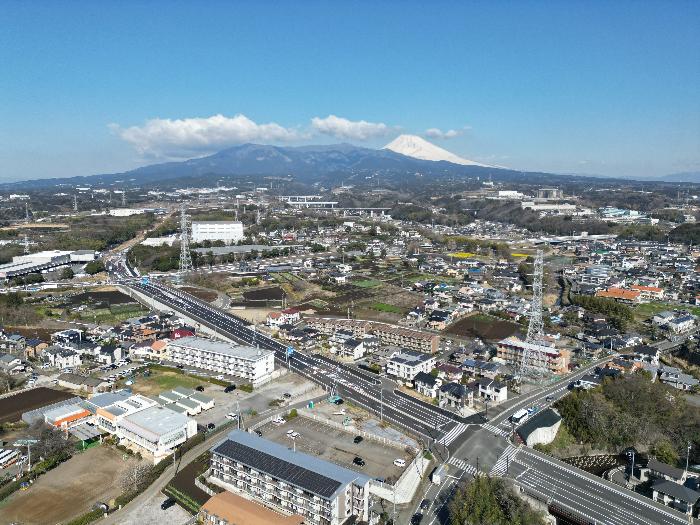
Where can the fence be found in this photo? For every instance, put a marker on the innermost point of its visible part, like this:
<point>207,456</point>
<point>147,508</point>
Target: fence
<point>356,431</point>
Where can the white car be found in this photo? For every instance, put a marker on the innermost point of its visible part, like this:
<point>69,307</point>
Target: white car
<point>400,462</point>
<point>232,416</point>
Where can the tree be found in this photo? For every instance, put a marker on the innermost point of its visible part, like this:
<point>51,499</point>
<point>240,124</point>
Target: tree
<point>94,267</point>
<point>67,273</point>
<point>490,501</point>
<point>665,452</point>
<point>134,477</point>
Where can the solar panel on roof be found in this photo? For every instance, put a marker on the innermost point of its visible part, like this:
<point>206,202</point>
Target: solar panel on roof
<point>278,468</point>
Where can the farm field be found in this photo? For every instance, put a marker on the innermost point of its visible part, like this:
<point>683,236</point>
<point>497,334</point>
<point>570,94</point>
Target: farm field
<point>12,408</point>
<point>70,489</point>
<point>205,295</point>
<point>483,326</point>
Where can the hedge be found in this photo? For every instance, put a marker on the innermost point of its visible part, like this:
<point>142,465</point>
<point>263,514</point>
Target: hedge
<point>87,518</point>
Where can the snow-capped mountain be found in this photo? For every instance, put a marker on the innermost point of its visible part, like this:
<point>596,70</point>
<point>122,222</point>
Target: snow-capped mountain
<point>419,148</point>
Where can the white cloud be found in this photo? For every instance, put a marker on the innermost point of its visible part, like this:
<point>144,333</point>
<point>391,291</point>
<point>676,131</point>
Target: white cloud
<point>343,128</point>
<point>436,133</point>
<point>192,136</point>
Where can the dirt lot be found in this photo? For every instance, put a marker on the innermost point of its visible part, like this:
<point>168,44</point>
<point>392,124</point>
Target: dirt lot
<point>483,326</point>
<point>105,296</point>
<point>274,293</point>
<point>337,447</point>
<point>12,408</point>
<point>69,490</point>
<point>200,293</point>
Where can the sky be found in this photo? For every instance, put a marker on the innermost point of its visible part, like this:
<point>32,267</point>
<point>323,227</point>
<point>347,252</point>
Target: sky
<point>594,87</point>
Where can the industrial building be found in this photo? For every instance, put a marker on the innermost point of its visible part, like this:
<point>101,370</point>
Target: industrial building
<point>229,232</point>
<point>253,364</point>
<point>290,482</point>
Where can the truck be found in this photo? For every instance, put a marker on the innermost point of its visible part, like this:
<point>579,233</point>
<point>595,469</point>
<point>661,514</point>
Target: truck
<point>438,475</point>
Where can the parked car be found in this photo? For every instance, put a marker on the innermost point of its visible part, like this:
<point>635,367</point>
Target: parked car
<point>358,439</point>
<point>259,433</point>
<point>359,461</point>
<point>167,504</point>
<point>211,426</point>
<point>416,518</point>
<point>230,388</point>
<point>200,388</point>
<point>287,395</point>
<point>232,416</point>
<point>400,462</point>
<point>425,504</point>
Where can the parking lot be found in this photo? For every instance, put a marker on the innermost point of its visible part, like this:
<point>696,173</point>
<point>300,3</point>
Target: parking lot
<point>337,446</point>
<point>256,402</point>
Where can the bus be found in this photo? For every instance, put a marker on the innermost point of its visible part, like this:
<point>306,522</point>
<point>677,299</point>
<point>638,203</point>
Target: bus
<point>520,416</point>
<point>8,457</point>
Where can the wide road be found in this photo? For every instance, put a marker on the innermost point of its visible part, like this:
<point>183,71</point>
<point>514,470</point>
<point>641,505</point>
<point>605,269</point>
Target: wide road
<point>454,439</point>
<point>433,425</point>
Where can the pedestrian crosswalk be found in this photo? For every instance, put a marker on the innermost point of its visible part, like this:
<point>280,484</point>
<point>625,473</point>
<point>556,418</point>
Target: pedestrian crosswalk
<point>496,430</point>
<point>452,434</point>
<point>503,463</point>
<point>461,464</point>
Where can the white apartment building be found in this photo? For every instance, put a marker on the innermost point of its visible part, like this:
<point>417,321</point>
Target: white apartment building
<point>289,482</point>
<point>228,231</point>
<point>253,364</point>
<point>406,364</point>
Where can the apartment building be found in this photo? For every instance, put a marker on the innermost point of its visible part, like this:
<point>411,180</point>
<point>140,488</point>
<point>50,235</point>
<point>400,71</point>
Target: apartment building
<point>548,358</point>
<point>290,482</point>
<point>406,364</point>
<point>252,364</point>
<point>228,231</point>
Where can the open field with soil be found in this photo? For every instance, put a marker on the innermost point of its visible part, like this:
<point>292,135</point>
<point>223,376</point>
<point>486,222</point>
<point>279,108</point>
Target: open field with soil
<point>69,490</point>
<point>12,407</point>
<point>274,293</point>
<point>96,297</point>
<point>484,327</point>
<point>205,295</point>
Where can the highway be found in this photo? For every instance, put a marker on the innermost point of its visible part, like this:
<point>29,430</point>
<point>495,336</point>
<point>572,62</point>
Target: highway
<point>430,423</point>
<point>452,439</point>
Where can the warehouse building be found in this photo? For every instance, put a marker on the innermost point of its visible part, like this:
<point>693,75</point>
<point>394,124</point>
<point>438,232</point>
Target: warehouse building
<point>252,364</point>
<point>287,481</point>
<point>229,232</point>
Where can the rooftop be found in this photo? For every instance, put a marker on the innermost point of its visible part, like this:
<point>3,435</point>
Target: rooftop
<point>308,472</point>
<point>219,347</point>
<point>154,422</point>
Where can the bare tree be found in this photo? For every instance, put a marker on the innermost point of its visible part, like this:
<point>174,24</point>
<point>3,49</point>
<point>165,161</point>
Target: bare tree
<point>134,476</point>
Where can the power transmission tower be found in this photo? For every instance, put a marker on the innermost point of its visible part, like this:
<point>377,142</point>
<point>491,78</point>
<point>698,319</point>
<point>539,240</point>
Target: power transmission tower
<point>75,203</point>
<point>26,245</point>
<point>185,257</point>
<point>124,198</point>
<point>534,360</point>
<point>26,211</point>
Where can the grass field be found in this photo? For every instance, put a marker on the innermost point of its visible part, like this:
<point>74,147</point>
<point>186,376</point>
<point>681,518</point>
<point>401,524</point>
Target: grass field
<point>647,310</point>
<point>367,283</point>
<point>389,308</point>
<point>161,380</point>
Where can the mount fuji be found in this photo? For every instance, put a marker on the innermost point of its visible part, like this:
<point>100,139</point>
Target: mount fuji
<point>419,148</point>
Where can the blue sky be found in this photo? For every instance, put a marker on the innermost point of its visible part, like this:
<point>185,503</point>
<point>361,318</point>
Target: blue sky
<point>586,87</point>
